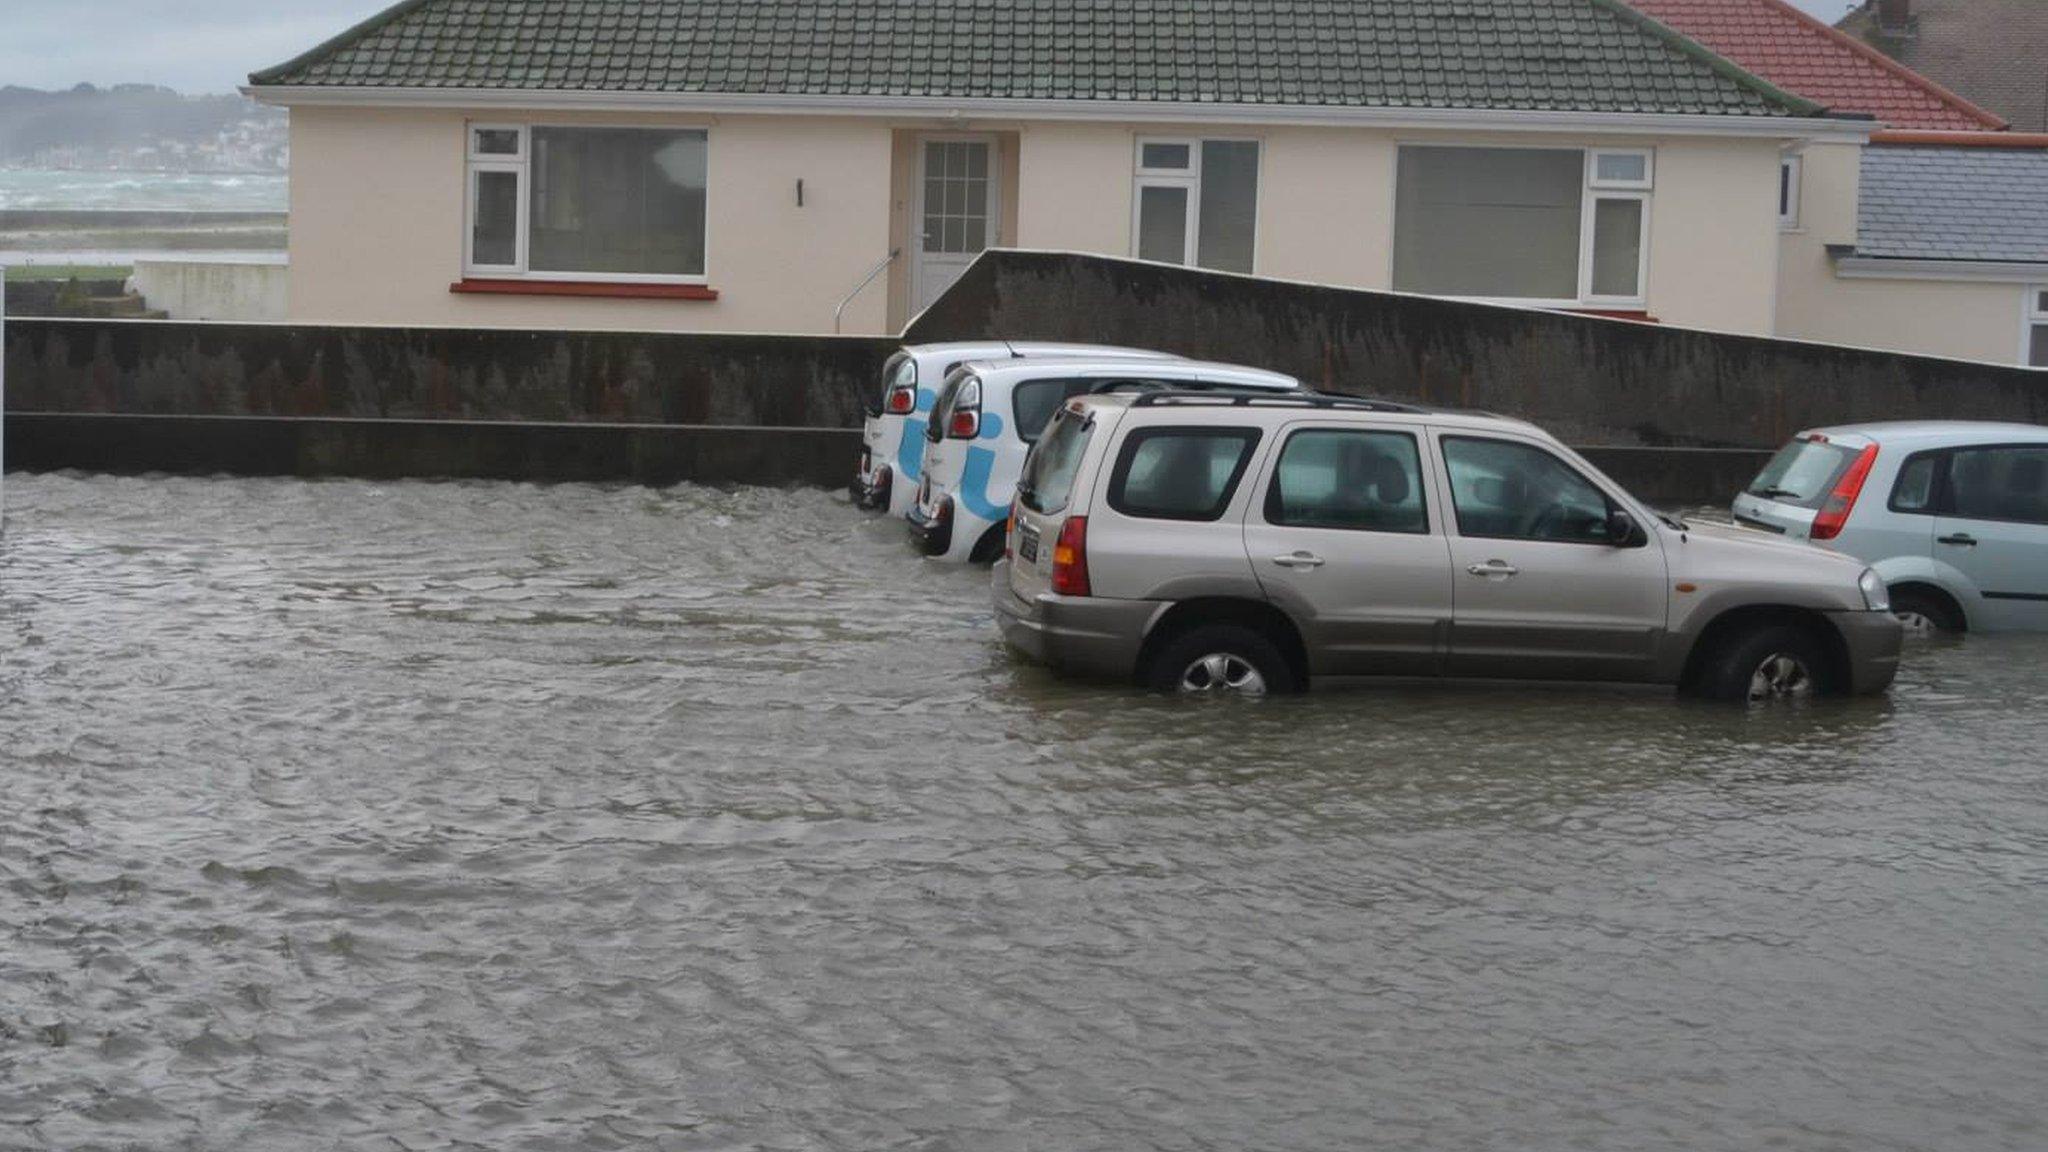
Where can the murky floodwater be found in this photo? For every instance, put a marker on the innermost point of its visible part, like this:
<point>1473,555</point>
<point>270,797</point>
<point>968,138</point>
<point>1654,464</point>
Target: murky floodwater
<point>430,816</point>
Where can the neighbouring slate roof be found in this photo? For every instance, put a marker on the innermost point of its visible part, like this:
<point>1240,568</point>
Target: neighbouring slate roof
<point>1578,55</point>
<point>1800,54</point>
<point>1990,51</point>
<point>1953,203</point>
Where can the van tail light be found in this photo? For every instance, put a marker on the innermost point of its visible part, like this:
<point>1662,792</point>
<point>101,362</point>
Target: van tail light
<point>1834,513</point>
<point>1070,558</point>
<point>901,401</point>
<point>966,422</point>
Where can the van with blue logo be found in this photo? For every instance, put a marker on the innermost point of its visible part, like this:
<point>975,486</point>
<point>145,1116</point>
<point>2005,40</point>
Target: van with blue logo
<point>892,438</point>
<point>987,416</point>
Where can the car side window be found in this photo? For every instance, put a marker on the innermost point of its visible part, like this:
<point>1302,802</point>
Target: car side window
<point>1331,478</point>
<point>1180,473</point>
<point>1999,484</point>
<point>1914,490</point>
<point>1510,491</point>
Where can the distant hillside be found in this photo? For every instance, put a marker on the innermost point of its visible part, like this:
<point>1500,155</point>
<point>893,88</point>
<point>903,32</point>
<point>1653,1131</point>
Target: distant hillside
<point>137,126</point>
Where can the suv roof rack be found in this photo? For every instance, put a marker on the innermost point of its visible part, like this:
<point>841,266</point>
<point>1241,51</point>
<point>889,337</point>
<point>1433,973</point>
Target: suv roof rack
<point>1296,399</point>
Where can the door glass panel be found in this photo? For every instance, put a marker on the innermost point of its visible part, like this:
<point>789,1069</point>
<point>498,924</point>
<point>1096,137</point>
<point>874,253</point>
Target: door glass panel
<point>1505,490</point>
<point>956,197</point>
<point>2000,484</point>
<point>1180,474</point>
<point>1163,223</point>
<point>494,234</point>
<point>1617,247</point>
<point>1362,480</point>
<point>1230,194</point>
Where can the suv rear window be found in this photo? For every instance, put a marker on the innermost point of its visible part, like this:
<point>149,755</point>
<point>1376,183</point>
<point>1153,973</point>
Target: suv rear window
<point>1802,473</point>
<point>1033,403</point>
<point>1180,473</point>
<point>1048,478</point>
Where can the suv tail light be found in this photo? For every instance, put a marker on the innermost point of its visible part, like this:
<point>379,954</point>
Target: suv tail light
<point>1834,513</point>
<point>901,400</point>
<point>1009,530</point>
<point>1070,558</point>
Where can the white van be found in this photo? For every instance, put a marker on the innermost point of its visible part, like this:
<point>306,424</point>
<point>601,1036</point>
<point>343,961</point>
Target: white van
<point>892,437</point>
<point>987,417</point>
<point>1952,514</point>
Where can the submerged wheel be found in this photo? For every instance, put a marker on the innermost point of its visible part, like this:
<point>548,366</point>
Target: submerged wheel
<point>1220,659</point>
<point>1925,614</point>
<point>1767,663</point>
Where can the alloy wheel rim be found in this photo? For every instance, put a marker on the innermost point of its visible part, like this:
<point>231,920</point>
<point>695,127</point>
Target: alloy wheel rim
<point>1222,672</point>
<point>1780,676</point>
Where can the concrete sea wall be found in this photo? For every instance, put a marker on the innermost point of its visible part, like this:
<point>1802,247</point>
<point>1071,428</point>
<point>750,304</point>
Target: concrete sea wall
<point>1590,381</point>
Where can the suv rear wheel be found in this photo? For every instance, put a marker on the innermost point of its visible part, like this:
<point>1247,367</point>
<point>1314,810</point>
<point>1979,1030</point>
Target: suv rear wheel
<point>1766,663</point>
<point>1220,659</point>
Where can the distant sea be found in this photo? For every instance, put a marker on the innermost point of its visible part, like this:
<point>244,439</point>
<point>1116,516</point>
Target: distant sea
<point>143,191</point>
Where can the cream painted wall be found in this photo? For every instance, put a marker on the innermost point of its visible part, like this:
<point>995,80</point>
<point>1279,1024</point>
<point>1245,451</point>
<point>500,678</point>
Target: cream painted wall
<point>377,219</point>
<point>377,199</point>
<point>1968,321</point>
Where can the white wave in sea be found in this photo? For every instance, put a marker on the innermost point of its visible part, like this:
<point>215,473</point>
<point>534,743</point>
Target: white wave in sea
<point>143,191</point>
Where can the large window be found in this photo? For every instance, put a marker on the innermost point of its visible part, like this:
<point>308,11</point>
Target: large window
<point>586,203</point>
<point>2037,327</point>
<point>1196,202</point>
<point>1180,473</point>
<point>1553,225</point>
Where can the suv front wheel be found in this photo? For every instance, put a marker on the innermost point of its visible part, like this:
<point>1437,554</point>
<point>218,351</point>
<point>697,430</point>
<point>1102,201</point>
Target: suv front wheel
<point>1220,659</point>
<point>1766,663</point>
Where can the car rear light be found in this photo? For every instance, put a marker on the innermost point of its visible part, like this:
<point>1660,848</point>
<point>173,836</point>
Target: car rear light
<point>901,401</point>
<point>1070,558</point>
<point>1834,513</point>
<point>964,424</point>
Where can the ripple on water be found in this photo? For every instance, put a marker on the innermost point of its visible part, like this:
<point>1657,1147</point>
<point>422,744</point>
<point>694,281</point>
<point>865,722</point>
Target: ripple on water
<point>434,815</point>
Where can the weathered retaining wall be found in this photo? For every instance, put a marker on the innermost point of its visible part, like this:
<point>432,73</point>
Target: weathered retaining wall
<point>1590,381</point>
<point>215,289</point>
<point>195,369</point>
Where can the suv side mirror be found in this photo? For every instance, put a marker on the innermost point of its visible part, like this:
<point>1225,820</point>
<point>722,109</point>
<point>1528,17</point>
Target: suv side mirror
<point>1621,528</point>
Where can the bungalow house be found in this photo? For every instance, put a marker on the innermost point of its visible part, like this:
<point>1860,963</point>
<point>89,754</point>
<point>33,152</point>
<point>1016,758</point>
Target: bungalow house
<point>792,165</point>
<point>1933,238</point>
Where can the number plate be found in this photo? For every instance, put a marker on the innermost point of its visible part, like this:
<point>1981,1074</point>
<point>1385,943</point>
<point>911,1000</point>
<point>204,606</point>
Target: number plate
<point>1027,544</point>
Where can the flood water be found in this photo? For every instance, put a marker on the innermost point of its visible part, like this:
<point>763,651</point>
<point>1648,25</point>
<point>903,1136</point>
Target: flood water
<point>495,816</point>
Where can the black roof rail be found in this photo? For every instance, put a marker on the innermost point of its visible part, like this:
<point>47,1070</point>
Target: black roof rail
<point>1297,399</point>
<point>1144,385</point>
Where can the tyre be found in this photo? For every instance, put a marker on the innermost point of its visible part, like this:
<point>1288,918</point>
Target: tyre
<point>1926,613</point>
<point>989,548</point>
<point>1765,663</point>
<point>1220,659</point>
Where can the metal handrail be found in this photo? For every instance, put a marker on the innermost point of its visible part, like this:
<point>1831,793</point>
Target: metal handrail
<point>840,311</point>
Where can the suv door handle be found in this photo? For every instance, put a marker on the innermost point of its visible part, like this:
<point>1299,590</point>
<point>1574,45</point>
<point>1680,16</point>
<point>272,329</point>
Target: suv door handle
<point>1493,568</point>
<point>1960,539</point>
<point>1299,560</point>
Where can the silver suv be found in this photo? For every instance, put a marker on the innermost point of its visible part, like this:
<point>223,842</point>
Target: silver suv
<point>1212,543</point>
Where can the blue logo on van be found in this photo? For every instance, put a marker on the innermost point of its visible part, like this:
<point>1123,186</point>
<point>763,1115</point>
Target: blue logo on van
<point>977,470</point>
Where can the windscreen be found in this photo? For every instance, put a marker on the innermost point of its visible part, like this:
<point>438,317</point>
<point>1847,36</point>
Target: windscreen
<point>1802,473</point>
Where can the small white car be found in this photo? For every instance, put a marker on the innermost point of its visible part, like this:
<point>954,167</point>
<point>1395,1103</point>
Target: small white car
<point>892,437</point>
<point>1953,515</point>
<point>989,414</point>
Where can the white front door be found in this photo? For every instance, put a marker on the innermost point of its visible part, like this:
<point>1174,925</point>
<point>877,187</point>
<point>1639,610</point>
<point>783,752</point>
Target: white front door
<point>957,198</point>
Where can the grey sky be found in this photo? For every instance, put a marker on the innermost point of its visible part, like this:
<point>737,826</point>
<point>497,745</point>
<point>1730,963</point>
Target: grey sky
<point>207,45</point>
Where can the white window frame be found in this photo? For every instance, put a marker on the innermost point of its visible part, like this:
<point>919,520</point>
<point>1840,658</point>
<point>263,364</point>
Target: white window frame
<point>2032,316</point>
<point>521,166</point>
<point>1595,191</point>
<point>478,164</point>
<point>1190,178</point>
<point>1791,192</point>
<point>1591,190</point>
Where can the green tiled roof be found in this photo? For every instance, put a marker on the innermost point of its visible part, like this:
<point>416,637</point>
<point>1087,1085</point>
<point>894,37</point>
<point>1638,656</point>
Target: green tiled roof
<point>1554,55</point>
